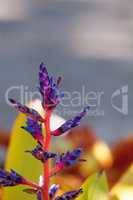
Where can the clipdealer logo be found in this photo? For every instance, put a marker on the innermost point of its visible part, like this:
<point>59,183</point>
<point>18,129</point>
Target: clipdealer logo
<point>123,94</point>
<point>77,99</point>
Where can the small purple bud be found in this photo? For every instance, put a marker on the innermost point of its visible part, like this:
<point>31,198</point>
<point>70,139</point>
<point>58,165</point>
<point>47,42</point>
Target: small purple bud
<point>48,155</point>
<point>42,155</point>
<point>70,123</point>
<point>48,88</point>
<point>11,178</point>
<point>43,78</point>
<point>52,191</point>
<point>34,128</point>
<point>69,195</point>
<point>69,158</point>
<point>27,111</point>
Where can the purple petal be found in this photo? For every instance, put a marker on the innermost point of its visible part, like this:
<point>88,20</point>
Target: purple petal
<point>35,129</point>
<point>52,191</point>
<point>42,155</point>
<point>43,78</point>
<point>48,88</point>
<point>69,158</point>
<point>28,111</point>
<point>70,123</point>
<point>11,178</point>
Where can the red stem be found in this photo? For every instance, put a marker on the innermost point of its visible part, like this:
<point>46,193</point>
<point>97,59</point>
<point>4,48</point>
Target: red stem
<point>47,143</point>
<point>31,184</point>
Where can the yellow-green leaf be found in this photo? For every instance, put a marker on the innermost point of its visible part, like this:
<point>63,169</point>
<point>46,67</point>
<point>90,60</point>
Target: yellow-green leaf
<point>95,188</point>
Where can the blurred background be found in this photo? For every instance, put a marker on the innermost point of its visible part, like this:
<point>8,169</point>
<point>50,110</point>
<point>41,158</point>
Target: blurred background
<point>88,42</point>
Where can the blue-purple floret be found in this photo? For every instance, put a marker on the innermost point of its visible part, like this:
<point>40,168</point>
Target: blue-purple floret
<point>34,128</point>
<point>69,158</point>
<point>48,88</point>
<point>11,178</point>
<point>73,122</point>
<point>27,111</point>
<point>69,195</point>
<point>52,191</point>
<point>42,155</point>
<point>70,123</point>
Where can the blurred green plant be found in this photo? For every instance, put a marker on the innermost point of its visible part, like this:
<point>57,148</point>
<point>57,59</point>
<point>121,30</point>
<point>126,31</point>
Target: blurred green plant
<point>95,188</point>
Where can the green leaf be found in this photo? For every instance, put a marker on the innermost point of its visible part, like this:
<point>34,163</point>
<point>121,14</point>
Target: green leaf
<point>95,188</point>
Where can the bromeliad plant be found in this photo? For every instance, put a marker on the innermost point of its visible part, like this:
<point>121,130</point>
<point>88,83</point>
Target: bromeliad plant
<point>51,97</point>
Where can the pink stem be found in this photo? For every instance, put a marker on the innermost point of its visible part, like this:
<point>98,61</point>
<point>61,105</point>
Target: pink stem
<point>47,143</point>
<point>31,184</point>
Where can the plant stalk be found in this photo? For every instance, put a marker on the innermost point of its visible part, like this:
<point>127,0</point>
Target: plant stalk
<point>47,144</point>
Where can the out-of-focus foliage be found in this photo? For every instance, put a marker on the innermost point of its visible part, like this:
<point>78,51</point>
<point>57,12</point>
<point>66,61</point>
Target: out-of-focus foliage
<point>95,187</point>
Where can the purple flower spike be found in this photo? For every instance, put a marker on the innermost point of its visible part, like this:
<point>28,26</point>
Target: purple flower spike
<point>42,155</point>
<point>35,129</point>
<point>69,195</point>
<point>10,178</point>
<point>27,111</point>
<point>48,88</point>
<point>70,123</point>
<point>52,191</point>
<point>69,158</point>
